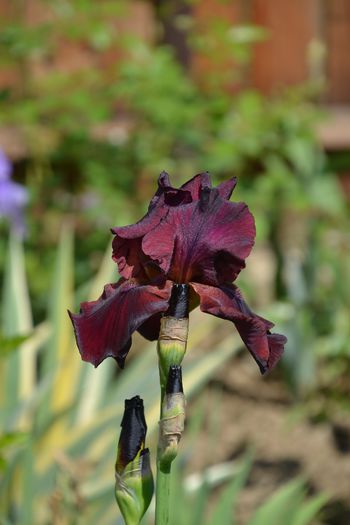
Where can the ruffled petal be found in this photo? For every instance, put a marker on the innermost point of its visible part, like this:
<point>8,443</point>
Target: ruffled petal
<point>132,262</point>
<point>195,184</point>
<point>202,180</point>
<point>127,250</point>
<point>103,328</point>
<point>164,197</point>
<point>226,188</point>
<point>226,302</point>
<point>144,225</point>
<point>128,255</point>
<point>203,241</point>
<point>150,328</point>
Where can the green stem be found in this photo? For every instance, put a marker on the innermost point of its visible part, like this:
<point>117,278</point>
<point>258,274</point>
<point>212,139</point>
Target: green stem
<point>162,494</point>
<point>163,480</point>
<point>171,349</point>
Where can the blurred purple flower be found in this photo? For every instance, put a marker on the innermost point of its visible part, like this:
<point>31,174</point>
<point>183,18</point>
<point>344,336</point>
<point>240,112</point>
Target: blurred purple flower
<point>13,197</point>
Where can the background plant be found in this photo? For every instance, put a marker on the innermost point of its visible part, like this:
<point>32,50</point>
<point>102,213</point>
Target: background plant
<point>58,442</point>
<point>88,175</point>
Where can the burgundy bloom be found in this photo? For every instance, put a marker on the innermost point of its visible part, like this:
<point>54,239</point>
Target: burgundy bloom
<point>192,235</point>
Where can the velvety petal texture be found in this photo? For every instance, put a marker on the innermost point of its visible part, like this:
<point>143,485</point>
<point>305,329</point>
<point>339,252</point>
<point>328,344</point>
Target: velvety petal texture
<point>135,247</point>
<point>192,235</point>
<point>103,328</point>
<point>127,251</point>
<point>204,241</point>
<point>195,185</point>
<point>227,302</point>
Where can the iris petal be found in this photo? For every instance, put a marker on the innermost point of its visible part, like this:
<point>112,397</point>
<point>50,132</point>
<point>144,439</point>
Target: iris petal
<point>226,302</point>
<point>203,180</point>
<point>151,327</point>
<point>195,185</point>
<point>226,188</point>
<point>165,196</point>
<point>103,328</point>
<point>128,255</point>
<point>203,241</point>
<point>127,251</point>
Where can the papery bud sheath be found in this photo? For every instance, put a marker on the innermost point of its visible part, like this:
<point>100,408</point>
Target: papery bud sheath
<point>172,422</point>
<point>173,333</point>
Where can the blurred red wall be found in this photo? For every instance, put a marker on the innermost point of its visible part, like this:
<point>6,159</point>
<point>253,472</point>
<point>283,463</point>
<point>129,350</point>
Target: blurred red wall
<point>283,60</point>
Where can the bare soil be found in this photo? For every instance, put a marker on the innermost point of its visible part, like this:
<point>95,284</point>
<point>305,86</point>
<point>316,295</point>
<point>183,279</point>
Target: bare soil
<point>251,410</point>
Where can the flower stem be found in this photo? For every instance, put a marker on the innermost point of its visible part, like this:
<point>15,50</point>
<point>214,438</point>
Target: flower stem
<point>171,350</point>
<point>163,494</point>
<point>171,426</point>
<point>163,479</point>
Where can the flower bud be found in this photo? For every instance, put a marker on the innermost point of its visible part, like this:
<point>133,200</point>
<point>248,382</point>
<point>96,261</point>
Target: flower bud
<point>172,422</point>
<point>134,481</point>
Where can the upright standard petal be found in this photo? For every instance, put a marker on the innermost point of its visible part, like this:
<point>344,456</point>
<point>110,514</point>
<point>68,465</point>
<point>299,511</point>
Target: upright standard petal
<point>203,180</point>
<point>226,188</point>
<point>195,185</point>
<point>127,251</point>
<point>103,328</point>
<point>131,260</point>
<point>165,196</point>
<point>226,302</point>
<point>205,241</point>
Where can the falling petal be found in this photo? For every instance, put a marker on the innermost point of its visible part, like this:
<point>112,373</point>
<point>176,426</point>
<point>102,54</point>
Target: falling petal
<point>103,328</point>
<point>226,302</point>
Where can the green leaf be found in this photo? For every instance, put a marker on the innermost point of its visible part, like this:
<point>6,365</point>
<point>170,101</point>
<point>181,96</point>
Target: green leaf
<point>10,344</point>
<point>223,513</point>
<point>282,507</point>
<point>19,372</point>
<point>310,510</point>
<point>199,504</point>
<point>12,438</point>
<point>58,361</point>
<point>94,382</point>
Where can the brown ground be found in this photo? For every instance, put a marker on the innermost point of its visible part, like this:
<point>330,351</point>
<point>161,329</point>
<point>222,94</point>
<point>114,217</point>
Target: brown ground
<point>259,411</point>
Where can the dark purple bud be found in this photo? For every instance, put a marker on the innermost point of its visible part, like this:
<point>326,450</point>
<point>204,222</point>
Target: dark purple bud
<point>174,383</point>
<point>133,434</point>
<point>178,304</point>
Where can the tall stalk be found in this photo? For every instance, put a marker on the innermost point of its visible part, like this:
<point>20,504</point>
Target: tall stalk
<point>171,350</point>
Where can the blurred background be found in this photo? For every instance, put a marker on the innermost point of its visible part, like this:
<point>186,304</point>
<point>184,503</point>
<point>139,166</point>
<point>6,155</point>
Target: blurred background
<point>96,99</point>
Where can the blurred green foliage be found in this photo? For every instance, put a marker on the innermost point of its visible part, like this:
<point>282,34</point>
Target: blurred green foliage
<point>59,421</point>
<point>288,505</point>
<point>97,137</point>
<point>60,417</point>
<point>95,140</point>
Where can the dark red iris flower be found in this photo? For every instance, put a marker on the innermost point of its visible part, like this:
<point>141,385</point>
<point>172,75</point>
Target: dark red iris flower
<point>192,235</point>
